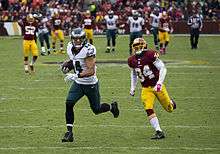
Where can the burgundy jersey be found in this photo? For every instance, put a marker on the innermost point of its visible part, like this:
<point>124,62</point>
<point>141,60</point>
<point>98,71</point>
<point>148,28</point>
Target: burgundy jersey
<point>165,24</point>
<point>29,30</point>
<point>144,67</point>
<point>57,22</point>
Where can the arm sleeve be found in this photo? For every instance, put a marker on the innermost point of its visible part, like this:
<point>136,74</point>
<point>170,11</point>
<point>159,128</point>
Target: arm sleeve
<point>162,70</point>
<point>133,80</point>
<point>201,25</point>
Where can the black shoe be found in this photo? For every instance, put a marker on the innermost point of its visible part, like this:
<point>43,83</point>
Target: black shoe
<point>48,52</point>
<point>114,109</point>
<point>173,103</point>
<point>107,50</point>
<point>43,54</point>
<point>158,135</point>
<point>68,137</point>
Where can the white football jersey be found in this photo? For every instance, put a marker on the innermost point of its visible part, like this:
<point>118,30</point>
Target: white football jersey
<point>155,20</point>
<point>79,62</point>
<point>111,22</point>
<point>43,26</point>
<point>135,25</point>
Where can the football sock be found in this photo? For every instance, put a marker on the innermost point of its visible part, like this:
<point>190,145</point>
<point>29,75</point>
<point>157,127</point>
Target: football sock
<point>69,127</point>
<point>155,123</point>
<point>69,114</point>
<point>43,49</point>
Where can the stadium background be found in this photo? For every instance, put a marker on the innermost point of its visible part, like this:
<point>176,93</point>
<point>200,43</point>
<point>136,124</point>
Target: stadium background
<point>71,12</point>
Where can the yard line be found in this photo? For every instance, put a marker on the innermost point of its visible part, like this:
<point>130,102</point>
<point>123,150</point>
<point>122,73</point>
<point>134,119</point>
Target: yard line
<point>111,147</point>
<point>103,87</point>
<point>2,98</point>
<point>105,126</point>
<point>88,109</point>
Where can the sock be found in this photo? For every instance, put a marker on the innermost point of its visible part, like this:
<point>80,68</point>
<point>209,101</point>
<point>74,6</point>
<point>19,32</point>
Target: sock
<point>155,124</point>
<point>69,127</point>
<point>43,49</point>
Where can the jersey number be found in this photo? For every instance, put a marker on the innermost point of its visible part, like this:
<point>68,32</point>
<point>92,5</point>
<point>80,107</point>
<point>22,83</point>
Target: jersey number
<point>29,30</point>
<point>147,72</point>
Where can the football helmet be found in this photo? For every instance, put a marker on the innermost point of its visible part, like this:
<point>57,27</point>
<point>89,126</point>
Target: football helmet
<point>135,14</point>
<point>30,18</point>
<point>110,13</point>
<point>87,14</point>
<point>138,45</point>
<point>78,38</point>
<point>156,11</point>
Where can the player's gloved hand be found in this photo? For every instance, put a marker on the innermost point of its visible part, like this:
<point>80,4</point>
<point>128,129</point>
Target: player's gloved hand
<point>158,87</point>
<point>132,92</point>
<point>64,69</point>
<point>70,77</point>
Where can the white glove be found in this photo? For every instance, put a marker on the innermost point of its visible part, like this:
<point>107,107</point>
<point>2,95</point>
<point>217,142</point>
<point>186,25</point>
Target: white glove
<point>132,92</point>
<point>70,77</point>
<point>158,87</point>
<point>65,70</point>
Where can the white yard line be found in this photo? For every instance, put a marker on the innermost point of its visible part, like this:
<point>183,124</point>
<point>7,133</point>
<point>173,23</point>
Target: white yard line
<point>110,148</point>
<point>105,126</point>
<point>2,98</point>
<point>63,87</point>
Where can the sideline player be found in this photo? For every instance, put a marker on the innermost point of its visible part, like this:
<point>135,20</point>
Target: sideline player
<point>29,29</point>
<point>111,25</point>
<point>88,24</point>
<point>136,24</point>
<point>57,32</point>
<point>85,82</point>
<point>154,23</point>
<point>146,65</point>
<point>165,27</point>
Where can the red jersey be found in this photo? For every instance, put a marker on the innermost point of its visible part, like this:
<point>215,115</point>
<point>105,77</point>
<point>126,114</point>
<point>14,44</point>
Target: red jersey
<point>144,67</point>
<point>29,30</point>
<point>165,24</point>
<point>88,23</point>
<point>57,23</point>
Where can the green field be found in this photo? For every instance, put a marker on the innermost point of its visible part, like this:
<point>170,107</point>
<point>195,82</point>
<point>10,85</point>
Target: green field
<point>32,106</point>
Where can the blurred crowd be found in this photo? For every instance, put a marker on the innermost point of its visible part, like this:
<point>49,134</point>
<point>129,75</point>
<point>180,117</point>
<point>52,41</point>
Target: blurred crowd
<point>71,11</point>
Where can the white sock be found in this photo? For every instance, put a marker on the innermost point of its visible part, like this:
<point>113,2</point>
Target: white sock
<point>43,49</point>
<point>155,124</point>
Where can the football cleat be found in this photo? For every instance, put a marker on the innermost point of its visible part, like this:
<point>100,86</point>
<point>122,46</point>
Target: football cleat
<point>173,103</point>
<point>107,50</point>
<point>114,109</point>
<point>158,135</point>
<point>68,137</point>
<point>32,68</point>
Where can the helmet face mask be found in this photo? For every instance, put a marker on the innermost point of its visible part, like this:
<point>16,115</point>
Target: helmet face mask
<point>30,18</point>
<point>138,45</point>
<point>78,38</point>
<point>135,15</point>
<point>110,14</point>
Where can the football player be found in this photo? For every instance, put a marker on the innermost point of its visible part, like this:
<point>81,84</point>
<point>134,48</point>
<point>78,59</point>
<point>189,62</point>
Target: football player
<point>154,22</point>
<point>146,65</point>
<point>88,24</point>
<point>165,27</point>
<point>111,24</point>
<point>57,32</point>
<point>43,34</point>
<point>29,29</point>
<point>136,24</point>
<point>82,58</point>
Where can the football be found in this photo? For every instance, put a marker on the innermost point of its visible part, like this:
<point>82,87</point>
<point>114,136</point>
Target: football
<point>67,66</point>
